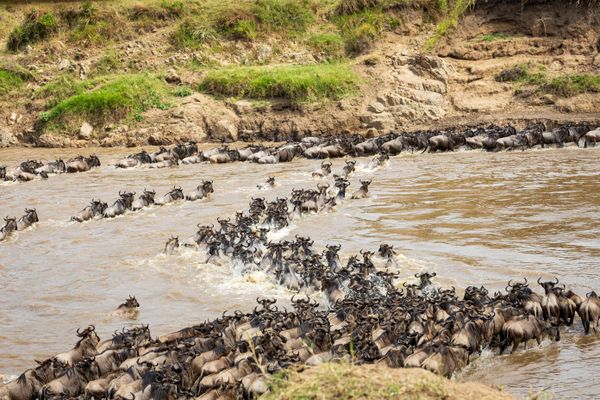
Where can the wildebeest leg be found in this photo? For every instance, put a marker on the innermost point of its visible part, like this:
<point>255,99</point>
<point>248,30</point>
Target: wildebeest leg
<point>516,344</point>
<point>538,340</point>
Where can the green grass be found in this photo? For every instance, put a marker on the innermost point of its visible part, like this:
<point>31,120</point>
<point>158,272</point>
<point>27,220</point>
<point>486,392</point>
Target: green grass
<point>360,30</point>
<point>492,37</point>
<point>12,76</point>
<point>331,45</point>
<point>37,26</point>
<point>450,19</point>
<point>298,83</point>
<point>571,85</point>
<point>9,81</point>
<point>120,97</point>
<point>182,91</point>
<point>563,85</point>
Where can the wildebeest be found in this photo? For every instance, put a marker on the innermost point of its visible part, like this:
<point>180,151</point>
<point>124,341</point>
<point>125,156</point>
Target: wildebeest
<point>10,226</point>
<point>363,191</point>
<point>145,200</point>
<point>95,209</point>
<point>55,167</point>
<point>589,311</point>
<point>348,168</point>
<point>445,142</point>
<point>120,206</point>
<point>526,327</point>
<point>270,183</point>
<point>29,383</point>
<point>591,138</point>
<point>82,164</point>
<point>134,160</point>
<point>172,244</point>
<point>128,308</point>
<point>85,347</point>
<point>2,172</point>
<point>73,382</point>
<point>173,195</point>
<point>323,171</point>
<point>202,191</point>
<point>28,219</point>
<point>288,152</point>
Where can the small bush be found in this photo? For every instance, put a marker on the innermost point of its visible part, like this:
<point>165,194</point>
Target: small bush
<point>167,10</point>
<point>449,21</point>
<point>492,37</point>
<point>9,81</point>
<point>346,7</point>
<point>298,83</point>
<point>571,85</point>
<point>36,26</point>
<point>123,96</point>
<point>183,91</point>
<point>290,16</point>
<point>360,30</point>
<point>523,74</point>
<point>193,32</point>
<point>237,24</point>
<point>329,44</point>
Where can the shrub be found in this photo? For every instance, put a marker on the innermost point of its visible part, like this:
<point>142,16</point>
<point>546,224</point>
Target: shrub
<point>291,16</point>
<point>193,32</point>
<point>523,74</point>
<point>182,91</point>
<point>360,30</point>
<point>298,83</point>
<point>237,24</point>
<point>571,85</point>
<point>36,26</point>
<point>329,44</point>
<point>346,7</point>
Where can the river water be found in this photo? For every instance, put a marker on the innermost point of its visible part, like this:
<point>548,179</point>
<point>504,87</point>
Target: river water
<point>474,218</point>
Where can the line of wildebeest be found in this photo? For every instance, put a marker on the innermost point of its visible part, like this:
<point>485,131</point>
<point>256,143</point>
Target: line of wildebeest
<point>492,138</point>
<point>28,170</point>
<point>370,315</point>
<point>127,202</point>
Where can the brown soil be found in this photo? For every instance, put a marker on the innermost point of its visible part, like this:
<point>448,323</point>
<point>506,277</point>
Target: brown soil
<point>404,88</point>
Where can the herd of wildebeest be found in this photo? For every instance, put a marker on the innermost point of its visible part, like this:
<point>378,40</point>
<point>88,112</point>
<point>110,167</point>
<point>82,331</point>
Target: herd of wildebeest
<point>359,310</point>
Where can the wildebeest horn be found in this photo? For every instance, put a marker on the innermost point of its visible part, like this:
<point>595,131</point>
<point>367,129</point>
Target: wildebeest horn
<point>433,274</point>
<point>525,283</point>
<point>510,283</point>
<point>556,280</point>
<point>539,279</point>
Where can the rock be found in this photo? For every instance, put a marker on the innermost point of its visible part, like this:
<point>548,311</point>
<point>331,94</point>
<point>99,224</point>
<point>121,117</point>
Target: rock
<point>376,107</point>
<point>6,138</point>
<point>85,132</point>
<point>596,61</point>
<point>242,107</point>
<point>224,131</point>
<point>371,133</point>
<point>264,52</point>
<point>13,118</point>
<point>83,71</point>
<point>64,64</point>
<point>172,77</point>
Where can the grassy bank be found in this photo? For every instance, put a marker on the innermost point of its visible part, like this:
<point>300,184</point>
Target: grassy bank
<point>297,83</point>
<point>115,98</point>
<point>534,78</point>
<point>346,381</point>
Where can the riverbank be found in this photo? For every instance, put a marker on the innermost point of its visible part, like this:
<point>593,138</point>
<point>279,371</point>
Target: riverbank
<point>170,74</point>
<point>352,382</point>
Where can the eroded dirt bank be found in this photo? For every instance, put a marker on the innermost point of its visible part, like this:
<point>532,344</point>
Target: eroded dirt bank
<point>403,86</point>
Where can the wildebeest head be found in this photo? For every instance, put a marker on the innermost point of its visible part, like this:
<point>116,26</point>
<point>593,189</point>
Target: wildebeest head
<point>127,198</point>
<point>149,195</point>
<point>549,285</point>
<point>176,193</point>
<point>130,302</point>
<point>10,224</point>
<point>93,161</point>
<point>365,184</point>
<point>31,215</point>
<point>425,278</point>
<point>2,172</point>
<point>98,207</point>
<point>207,186</point>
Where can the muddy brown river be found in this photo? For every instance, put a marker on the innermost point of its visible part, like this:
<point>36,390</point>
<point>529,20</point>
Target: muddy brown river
<point>474,218</point>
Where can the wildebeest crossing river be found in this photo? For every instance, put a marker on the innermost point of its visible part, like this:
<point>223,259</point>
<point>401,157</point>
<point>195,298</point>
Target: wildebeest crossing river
<point>474,218</point>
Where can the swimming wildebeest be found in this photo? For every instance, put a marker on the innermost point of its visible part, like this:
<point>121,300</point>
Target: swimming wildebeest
<point>10,225</point>
<point>201,191</point>
<point>363,191</point>
<point>145,200</point>
<point>172,244</point>
<point>95,209</point>
<point>173,195</point>
<point>82,164</point>
<point>120,205</point>
<point>28,219</point>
